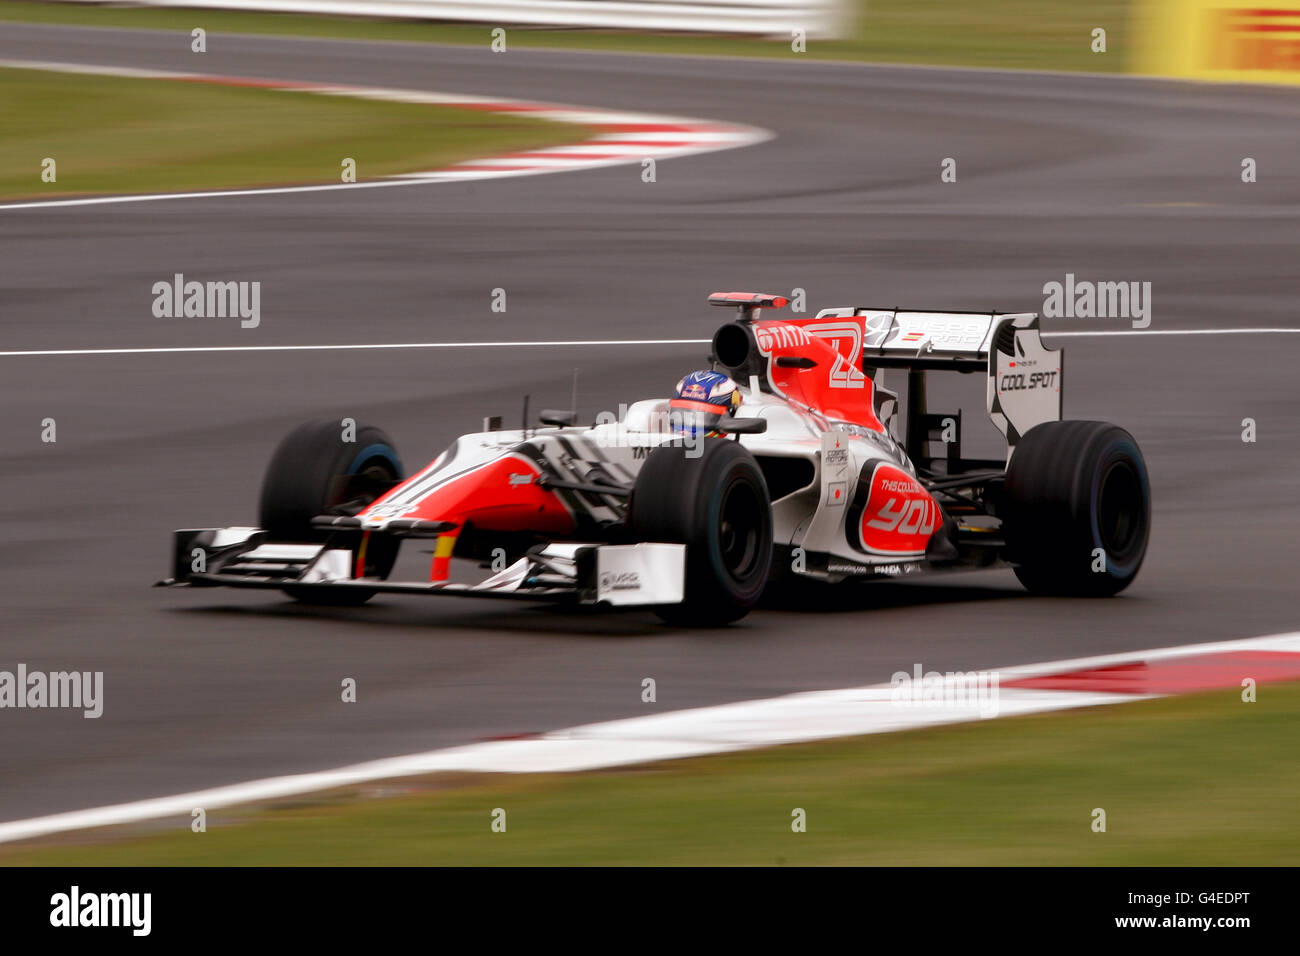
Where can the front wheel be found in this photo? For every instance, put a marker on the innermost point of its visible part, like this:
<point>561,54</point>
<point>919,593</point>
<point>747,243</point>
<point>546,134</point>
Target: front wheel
<point>1078,509</point>
<point>711,497</point>
<point>321,468</point>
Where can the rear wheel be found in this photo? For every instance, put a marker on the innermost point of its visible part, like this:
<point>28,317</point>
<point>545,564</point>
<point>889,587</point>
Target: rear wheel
<point>315,471</point>
<point>1078,510</point>
<point>712,498</point>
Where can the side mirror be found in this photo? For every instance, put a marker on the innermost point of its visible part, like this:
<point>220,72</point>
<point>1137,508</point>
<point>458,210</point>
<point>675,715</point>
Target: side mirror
<point>742,426</point>
<point>558,417</point>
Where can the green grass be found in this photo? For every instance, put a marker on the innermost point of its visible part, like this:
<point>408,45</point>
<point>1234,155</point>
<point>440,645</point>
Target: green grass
<point>1200,780</point>
<point>118,135</point>
<point>1012,34</point>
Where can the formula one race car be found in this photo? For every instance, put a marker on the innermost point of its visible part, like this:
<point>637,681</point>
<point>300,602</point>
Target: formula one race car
<point>788,457</point>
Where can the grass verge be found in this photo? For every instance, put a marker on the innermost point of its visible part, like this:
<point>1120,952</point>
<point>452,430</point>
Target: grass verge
<point>1198,780</point>
<point>126,135</point>
<point>1010,34</point>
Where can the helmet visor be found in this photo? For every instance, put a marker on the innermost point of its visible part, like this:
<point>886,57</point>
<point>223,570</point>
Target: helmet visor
<point>687,417</point>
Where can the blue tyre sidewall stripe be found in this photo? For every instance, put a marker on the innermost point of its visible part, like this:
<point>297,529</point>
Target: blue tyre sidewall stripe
<point>376,451</point>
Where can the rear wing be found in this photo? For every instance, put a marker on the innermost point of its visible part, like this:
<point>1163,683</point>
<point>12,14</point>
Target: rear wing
<point>1023,377</point>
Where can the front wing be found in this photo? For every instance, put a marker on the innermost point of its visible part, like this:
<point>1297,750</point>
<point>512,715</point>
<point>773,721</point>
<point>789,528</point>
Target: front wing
<point>621,575</point>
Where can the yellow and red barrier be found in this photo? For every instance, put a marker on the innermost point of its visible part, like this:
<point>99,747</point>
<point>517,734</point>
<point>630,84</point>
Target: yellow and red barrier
<point>1234,41</point>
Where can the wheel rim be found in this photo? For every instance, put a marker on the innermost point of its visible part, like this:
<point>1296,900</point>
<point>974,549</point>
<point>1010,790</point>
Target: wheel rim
<point>377,472</point>
<point>739,530</point>
<point>364,486</point>
<point>1119,509</point>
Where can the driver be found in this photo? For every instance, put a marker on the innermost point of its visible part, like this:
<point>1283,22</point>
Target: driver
<point>700,401</point>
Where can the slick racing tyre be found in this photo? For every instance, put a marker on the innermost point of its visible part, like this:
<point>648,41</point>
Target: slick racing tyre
<point>315,472</point>
<point>1078,509</point>
<point>711,497</point>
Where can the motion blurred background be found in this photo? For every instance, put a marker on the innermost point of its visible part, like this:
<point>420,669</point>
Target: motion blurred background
<point>1118,177</point>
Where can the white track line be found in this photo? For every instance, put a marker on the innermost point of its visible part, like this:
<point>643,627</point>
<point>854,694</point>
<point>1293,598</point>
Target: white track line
<point>795,718</point>
<point>214,194</point>
<point>654,136</point>
<point>558,343</point>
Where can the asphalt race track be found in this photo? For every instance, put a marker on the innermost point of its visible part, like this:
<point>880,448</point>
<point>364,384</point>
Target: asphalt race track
<point>1109,179</point>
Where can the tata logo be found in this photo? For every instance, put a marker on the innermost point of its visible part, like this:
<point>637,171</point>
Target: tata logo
<point>777,335</point>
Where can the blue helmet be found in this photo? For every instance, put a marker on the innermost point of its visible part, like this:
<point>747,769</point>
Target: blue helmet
<point>700,401</point>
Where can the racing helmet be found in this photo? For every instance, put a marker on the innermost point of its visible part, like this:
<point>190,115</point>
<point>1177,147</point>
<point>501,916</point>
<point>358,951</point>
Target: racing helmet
<point>700,401</point>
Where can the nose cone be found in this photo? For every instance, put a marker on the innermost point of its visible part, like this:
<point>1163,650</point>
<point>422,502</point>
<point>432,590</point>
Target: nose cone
<point>501,495</point>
